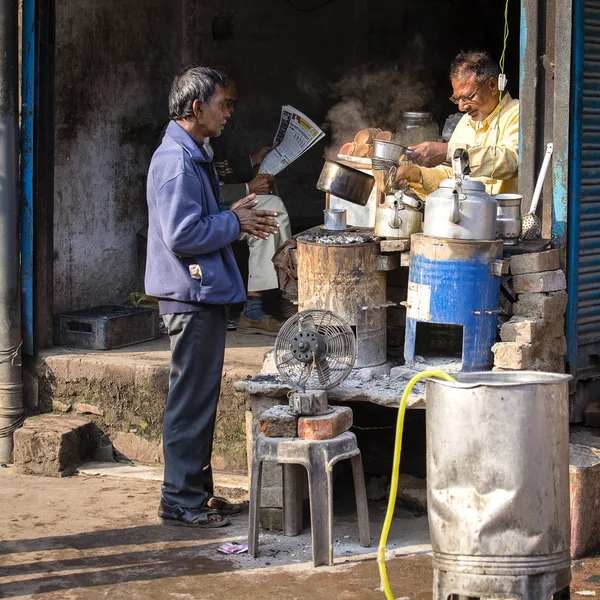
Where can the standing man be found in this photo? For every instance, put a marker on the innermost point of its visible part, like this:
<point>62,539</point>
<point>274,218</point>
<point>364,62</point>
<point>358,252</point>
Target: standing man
<point>489,131</point>
<point>191,270</point>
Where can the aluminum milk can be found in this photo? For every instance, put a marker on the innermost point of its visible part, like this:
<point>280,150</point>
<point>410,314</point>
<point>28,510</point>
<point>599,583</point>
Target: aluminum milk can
<point>498,473</point>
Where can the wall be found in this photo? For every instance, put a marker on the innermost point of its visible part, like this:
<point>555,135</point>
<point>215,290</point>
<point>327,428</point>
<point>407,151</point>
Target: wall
<point>115,61</point>
<point>114,64</point>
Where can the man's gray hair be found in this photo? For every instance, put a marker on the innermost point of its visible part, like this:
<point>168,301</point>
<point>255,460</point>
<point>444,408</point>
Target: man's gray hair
<point>195,83</point>
<point>478,62</point>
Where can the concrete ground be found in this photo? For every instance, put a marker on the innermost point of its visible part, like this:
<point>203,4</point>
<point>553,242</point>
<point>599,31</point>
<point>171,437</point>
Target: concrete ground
<point>93,537</point>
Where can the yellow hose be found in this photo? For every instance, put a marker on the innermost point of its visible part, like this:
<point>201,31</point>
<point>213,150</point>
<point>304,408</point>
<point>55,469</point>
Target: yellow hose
<point>385,584</point>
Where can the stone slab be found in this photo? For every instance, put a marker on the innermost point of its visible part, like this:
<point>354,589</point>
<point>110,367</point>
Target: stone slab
<point>547,281</point>
<point>535,262</point>
<point>584,480</point>
<point>523,330</point>
<point>544,306</point>
<point>512,355</point>
<point>54,445</point>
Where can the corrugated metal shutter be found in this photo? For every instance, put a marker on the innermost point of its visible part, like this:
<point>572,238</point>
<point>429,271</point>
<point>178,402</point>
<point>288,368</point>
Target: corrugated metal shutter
<point>584,226</point>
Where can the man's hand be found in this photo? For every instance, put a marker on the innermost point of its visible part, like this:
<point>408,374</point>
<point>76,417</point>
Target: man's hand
<point>259,224</point>
<point>406,175</point>
<point>261,184</point>
<point>428,154</point>
<point>258,156</point>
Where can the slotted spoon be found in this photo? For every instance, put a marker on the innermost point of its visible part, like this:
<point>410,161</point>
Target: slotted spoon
<point>532,225</point>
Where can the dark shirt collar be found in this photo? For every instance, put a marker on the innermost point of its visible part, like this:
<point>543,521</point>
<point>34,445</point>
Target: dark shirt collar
<point>187,142</point>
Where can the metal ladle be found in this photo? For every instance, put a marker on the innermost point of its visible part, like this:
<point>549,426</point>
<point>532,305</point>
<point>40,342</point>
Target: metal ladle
<point>532,225</point>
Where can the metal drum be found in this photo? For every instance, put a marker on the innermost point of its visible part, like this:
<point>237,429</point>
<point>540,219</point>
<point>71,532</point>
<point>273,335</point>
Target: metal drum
<point>455,282</point>
<point>345,279</point>
<point>498,484</point>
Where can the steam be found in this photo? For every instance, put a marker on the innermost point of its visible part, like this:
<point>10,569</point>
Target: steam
<point>376,96</point>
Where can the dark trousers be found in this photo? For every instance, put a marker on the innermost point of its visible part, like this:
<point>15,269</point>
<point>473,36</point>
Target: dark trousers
<point>197,354</point>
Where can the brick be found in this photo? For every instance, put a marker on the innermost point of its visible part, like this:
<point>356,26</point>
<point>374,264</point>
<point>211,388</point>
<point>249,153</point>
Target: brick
<point>87,409</point>
<point>54,445</point>
<point>523,330</point>
<point>512,355</point>
<point>547,281</point>
<point>592,415</point>
<point>136,448</point>
<point>326,427</point>
<point>279,421</point>
<point>535,262</point>
<point>549,354</point>
<point>544,306</point>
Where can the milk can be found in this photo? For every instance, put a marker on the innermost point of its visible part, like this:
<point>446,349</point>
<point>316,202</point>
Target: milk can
<point>498,476</point>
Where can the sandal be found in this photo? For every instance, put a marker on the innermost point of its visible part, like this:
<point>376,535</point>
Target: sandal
<point>180,517</point>
<point>223,506</point>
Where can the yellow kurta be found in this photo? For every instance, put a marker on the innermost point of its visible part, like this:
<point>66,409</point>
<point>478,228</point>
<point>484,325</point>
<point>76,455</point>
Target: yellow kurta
<point>493,150</point>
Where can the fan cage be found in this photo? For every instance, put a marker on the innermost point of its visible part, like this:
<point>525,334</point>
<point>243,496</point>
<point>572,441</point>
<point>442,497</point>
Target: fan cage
<point>335,363</point>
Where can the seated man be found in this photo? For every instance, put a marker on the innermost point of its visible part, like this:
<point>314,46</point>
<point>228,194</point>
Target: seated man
<point>489,130</point>
<point>238,180</point>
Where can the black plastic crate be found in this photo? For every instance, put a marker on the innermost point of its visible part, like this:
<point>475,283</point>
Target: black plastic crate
<point>105,327</point>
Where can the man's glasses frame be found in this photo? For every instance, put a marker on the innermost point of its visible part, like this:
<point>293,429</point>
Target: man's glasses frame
<point>467,99</point>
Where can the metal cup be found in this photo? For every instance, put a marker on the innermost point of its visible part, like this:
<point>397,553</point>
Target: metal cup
<point>509,221</point>
<point>334,219</point>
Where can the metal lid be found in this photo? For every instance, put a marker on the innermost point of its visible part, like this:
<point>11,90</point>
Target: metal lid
<point>468,184</point>
<point>418,114</point>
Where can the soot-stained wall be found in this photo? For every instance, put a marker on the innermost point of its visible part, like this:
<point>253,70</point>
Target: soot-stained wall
<point>115,62</point>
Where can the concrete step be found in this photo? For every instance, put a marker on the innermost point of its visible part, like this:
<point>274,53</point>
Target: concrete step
<point>124,390</point>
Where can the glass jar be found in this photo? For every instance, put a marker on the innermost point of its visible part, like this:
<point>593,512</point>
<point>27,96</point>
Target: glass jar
<point>416,127</point>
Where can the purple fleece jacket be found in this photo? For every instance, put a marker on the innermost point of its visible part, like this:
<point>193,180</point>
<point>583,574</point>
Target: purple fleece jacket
<point>188,224</point>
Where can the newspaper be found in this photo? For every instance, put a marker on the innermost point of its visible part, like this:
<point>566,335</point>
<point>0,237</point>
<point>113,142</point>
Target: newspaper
<point>295,135</point>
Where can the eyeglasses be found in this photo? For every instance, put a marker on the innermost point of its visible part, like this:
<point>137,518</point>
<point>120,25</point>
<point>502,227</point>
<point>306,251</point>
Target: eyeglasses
<point>467,99</point>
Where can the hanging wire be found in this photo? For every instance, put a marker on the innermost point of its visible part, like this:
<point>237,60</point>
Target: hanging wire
<point>12,354</point>
<point>502,59</point>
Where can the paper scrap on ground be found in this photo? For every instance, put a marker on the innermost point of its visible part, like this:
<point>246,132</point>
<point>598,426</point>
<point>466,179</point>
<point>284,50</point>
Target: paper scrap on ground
<point>295,135</point>
<point>232,548</point>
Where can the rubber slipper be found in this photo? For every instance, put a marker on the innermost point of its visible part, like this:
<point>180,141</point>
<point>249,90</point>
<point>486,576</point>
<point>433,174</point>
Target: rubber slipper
<point>199,519</point>
<point>223,506</point>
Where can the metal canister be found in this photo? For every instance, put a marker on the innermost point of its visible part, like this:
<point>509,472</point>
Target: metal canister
<point>509,220</point>
<point>498,475</point>
<point>334,219</point>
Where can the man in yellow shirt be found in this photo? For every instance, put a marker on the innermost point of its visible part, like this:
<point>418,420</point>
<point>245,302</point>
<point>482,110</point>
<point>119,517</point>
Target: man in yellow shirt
<point>489,130</point>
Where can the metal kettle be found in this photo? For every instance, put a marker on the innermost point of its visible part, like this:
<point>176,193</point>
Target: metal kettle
<point>398,216</point>
<point>460,208</point>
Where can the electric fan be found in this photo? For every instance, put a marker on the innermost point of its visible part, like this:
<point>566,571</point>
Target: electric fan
<point>315,350</point>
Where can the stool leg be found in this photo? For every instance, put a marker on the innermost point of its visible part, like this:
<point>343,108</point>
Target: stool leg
<point>321,511</point>
<point>362,509</point>
<point>254,507</point>
<point>292,499</point>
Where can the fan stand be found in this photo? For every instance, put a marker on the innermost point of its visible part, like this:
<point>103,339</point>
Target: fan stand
<point>309,403</point>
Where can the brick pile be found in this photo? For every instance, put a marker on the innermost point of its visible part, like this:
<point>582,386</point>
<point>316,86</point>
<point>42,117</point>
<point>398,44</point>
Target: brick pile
<point>534,337</point>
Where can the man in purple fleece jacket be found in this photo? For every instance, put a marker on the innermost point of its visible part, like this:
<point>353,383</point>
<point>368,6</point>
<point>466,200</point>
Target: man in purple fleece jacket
<point>191,269</point>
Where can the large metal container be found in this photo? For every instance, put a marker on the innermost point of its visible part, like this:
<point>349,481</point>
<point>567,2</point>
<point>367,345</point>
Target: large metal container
<point>346,280</point>
<point>455,282</point>
<point>498,477</point>
<point>345,182</point>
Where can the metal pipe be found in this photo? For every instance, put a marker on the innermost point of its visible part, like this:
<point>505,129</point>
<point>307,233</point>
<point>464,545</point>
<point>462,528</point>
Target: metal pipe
<point>28,102</point>
<point>11,380</point>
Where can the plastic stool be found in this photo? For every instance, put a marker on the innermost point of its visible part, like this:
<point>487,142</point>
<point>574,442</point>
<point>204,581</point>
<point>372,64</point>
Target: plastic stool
<point>318,458</point>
